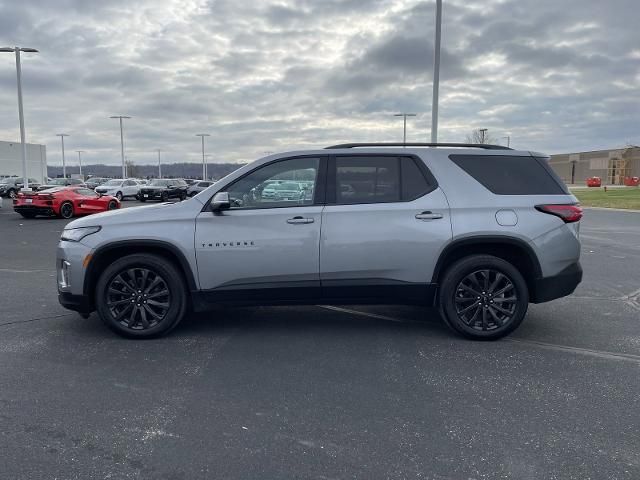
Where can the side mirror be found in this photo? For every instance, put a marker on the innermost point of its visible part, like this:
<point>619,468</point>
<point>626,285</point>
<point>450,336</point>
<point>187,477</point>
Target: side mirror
<point>220,202</point>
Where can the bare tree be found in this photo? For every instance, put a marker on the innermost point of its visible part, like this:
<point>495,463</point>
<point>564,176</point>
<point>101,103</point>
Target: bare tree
<point>481,135</point>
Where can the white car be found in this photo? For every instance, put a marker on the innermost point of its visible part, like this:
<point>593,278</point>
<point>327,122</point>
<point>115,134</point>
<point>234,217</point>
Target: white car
<point>119,188</point>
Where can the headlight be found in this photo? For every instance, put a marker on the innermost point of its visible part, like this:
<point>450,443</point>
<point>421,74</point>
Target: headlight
<point>77,234</point>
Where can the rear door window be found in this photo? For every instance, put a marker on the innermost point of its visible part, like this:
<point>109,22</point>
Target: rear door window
<point>511,175</point>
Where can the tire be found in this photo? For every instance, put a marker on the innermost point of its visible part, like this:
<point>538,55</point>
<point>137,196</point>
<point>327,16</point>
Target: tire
<point>112,205</point>
<point>126,311</point>
<point>66,210</point>
<point>119,196</point>
<point>143,199</point>
<point>28,214</point>
<point>472,291</point>
<point>12,193</point>
<point>164,197</point>
<point>183,197</point>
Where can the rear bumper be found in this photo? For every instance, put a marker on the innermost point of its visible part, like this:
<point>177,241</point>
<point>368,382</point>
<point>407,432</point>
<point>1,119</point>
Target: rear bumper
<point>77,303</point>
<point>34,209</point>
<point>560,285</point>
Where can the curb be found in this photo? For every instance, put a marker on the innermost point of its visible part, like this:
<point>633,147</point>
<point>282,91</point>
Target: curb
<point>628,210</point>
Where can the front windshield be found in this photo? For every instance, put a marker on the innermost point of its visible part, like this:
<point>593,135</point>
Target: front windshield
<point>287,186</point>
<point>57,181</point>
<point>159,183</point>
<point>113,183</point>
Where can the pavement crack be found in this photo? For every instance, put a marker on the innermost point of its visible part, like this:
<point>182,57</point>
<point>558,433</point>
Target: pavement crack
<point>29,320</point>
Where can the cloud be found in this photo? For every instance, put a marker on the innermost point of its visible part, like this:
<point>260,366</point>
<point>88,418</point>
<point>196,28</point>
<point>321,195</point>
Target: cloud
<point>287,74</point>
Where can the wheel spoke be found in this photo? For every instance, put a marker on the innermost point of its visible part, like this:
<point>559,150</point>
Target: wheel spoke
<point>484,319</point>
<point>503,310</point>
<point>495,317</point>
<point>123,312</point>
<point>161,293</point>
<point>125,284</point>
<point>155,282</point>
<point>475,315</point>
<point>143,280</point>
<point>465,299</point>
<point>152,313</point>
<point>505,299</point>
<point>485,274</point>
<point>503,289</point>
<point>469,289</point>
<point>143,317</point>
<point>495,283</point>
<point>132,276</point>
<point>158,304</point>
<point>118,302</point>
<point>466,309</point>
<point>132,318</point>
<point>474,280</point>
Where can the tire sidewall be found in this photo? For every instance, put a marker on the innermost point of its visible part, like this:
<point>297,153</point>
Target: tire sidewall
<point>119,196</point>
<point>112,205</point>
<point>464,267</point>
<point>12,194</point>
<point>169,274</point>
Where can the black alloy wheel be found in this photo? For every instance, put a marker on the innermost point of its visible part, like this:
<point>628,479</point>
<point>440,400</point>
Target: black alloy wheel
<point>12,193</point>
<point>486,300</point>
<point>141,296</point>
<point>119,196</point>
<point>112,205</point>
<point>138,298</point>
<point>164,197</point>
<point>66,210</point>
<point>483,297</point>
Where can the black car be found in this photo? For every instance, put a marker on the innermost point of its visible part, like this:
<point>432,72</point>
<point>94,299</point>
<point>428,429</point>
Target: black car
<point>163,189</point>
<point>9,187</point>
<point>94,182</point>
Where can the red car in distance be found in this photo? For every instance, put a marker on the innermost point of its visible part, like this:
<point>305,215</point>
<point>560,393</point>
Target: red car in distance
<point>65,202</point>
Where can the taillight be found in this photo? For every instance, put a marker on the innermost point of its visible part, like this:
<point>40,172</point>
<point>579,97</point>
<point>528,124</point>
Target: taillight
<point>568,213</point>
<point>45,196</point>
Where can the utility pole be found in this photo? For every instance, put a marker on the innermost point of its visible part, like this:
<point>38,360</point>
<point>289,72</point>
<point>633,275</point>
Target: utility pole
<point>508,137</point>
<point>64,167</point>
<point>124,170</point>
<point>404,115</point>
<point>17,50</point>
<point>436,73</point>
<point>159,165</point>
<point>80,152</point>
<point>204,165</point>
<point>482,131</point>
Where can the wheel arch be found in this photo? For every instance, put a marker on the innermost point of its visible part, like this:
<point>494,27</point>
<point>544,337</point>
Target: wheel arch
<point>108,253</point>
<point>513,250</point>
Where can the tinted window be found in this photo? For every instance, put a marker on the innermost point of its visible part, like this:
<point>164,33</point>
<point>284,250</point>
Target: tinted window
<point>414,184</point>
<point>262,187</point>
<point>367,179</point>
<point>510,175</point>
<point>86,192</point>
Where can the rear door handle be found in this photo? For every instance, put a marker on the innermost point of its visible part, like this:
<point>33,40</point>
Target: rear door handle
<point>428,215</point>
<point>297,220</point>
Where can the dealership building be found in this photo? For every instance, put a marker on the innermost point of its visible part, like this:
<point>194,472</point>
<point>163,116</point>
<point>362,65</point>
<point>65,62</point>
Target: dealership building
<point>612,166</point>
<point>11,160</point>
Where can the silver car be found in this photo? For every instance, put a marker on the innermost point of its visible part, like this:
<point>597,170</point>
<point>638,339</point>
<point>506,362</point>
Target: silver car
<point>478,231</point>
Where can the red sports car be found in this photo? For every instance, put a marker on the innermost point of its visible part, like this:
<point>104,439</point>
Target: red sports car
<point>63,202</point>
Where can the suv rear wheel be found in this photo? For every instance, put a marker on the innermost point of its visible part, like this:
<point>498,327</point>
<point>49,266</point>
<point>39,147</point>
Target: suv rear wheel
<point>483,297</point>
<point>141,296</point>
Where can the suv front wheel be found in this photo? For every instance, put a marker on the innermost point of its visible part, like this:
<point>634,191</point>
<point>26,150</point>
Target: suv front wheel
<point>141,296</point>
<point>483,297</point>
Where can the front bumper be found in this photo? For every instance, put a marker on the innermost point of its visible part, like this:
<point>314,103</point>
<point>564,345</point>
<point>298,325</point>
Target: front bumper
<point>152,195</point>
<point>78,303</point>
<point>564,283</point>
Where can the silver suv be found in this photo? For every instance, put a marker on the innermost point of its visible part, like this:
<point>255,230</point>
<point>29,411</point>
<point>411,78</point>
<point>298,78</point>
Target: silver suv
<point>476,230</point>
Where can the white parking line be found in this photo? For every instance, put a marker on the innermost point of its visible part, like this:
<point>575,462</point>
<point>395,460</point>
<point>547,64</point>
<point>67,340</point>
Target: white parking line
<point>625,357</point>
<point>11,270</point>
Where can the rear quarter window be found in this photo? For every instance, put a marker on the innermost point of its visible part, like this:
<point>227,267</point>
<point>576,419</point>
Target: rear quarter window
<point>511,175</point>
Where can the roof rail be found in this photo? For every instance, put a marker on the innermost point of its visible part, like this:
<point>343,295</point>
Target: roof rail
<point>400,144</point>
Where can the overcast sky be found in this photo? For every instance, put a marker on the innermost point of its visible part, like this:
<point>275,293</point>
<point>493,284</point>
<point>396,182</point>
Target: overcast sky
<point>264,76</point>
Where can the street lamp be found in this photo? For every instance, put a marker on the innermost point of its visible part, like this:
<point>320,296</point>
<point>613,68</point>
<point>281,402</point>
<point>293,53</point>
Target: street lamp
<point>17,50</point>
<point>204,165</point>
<point>64,168</point>
<point>120,117</point>
<point>80,152</point>
<point>405,115</point>
<point>436,73</point>
<point>483,132</point>
<point>508,137</point>
<point>159,164</point>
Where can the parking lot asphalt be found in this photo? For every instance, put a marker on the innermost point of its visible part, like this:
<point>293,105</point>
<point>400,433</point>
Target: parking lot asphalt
<point>322,392</point>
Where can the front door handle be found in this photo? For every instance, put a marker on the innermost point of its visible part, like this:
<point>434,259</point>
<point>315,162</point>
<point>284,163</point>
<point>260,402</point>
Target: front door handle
<point>428,215</point>
<point>297,220</point>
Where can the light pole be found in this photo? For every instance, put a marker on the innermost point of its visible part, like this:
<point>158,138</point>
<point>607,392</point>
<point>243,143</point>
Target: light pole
<point>64,167</point>
<point>204,165</point>
<point>404,115</point>
<point>80,152</point>
<point>159,164</point>
<point>120,117</point>
<point>508,137</point>
<point>436,73</point>
<point>17,50</point>
<point>482,131</point>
